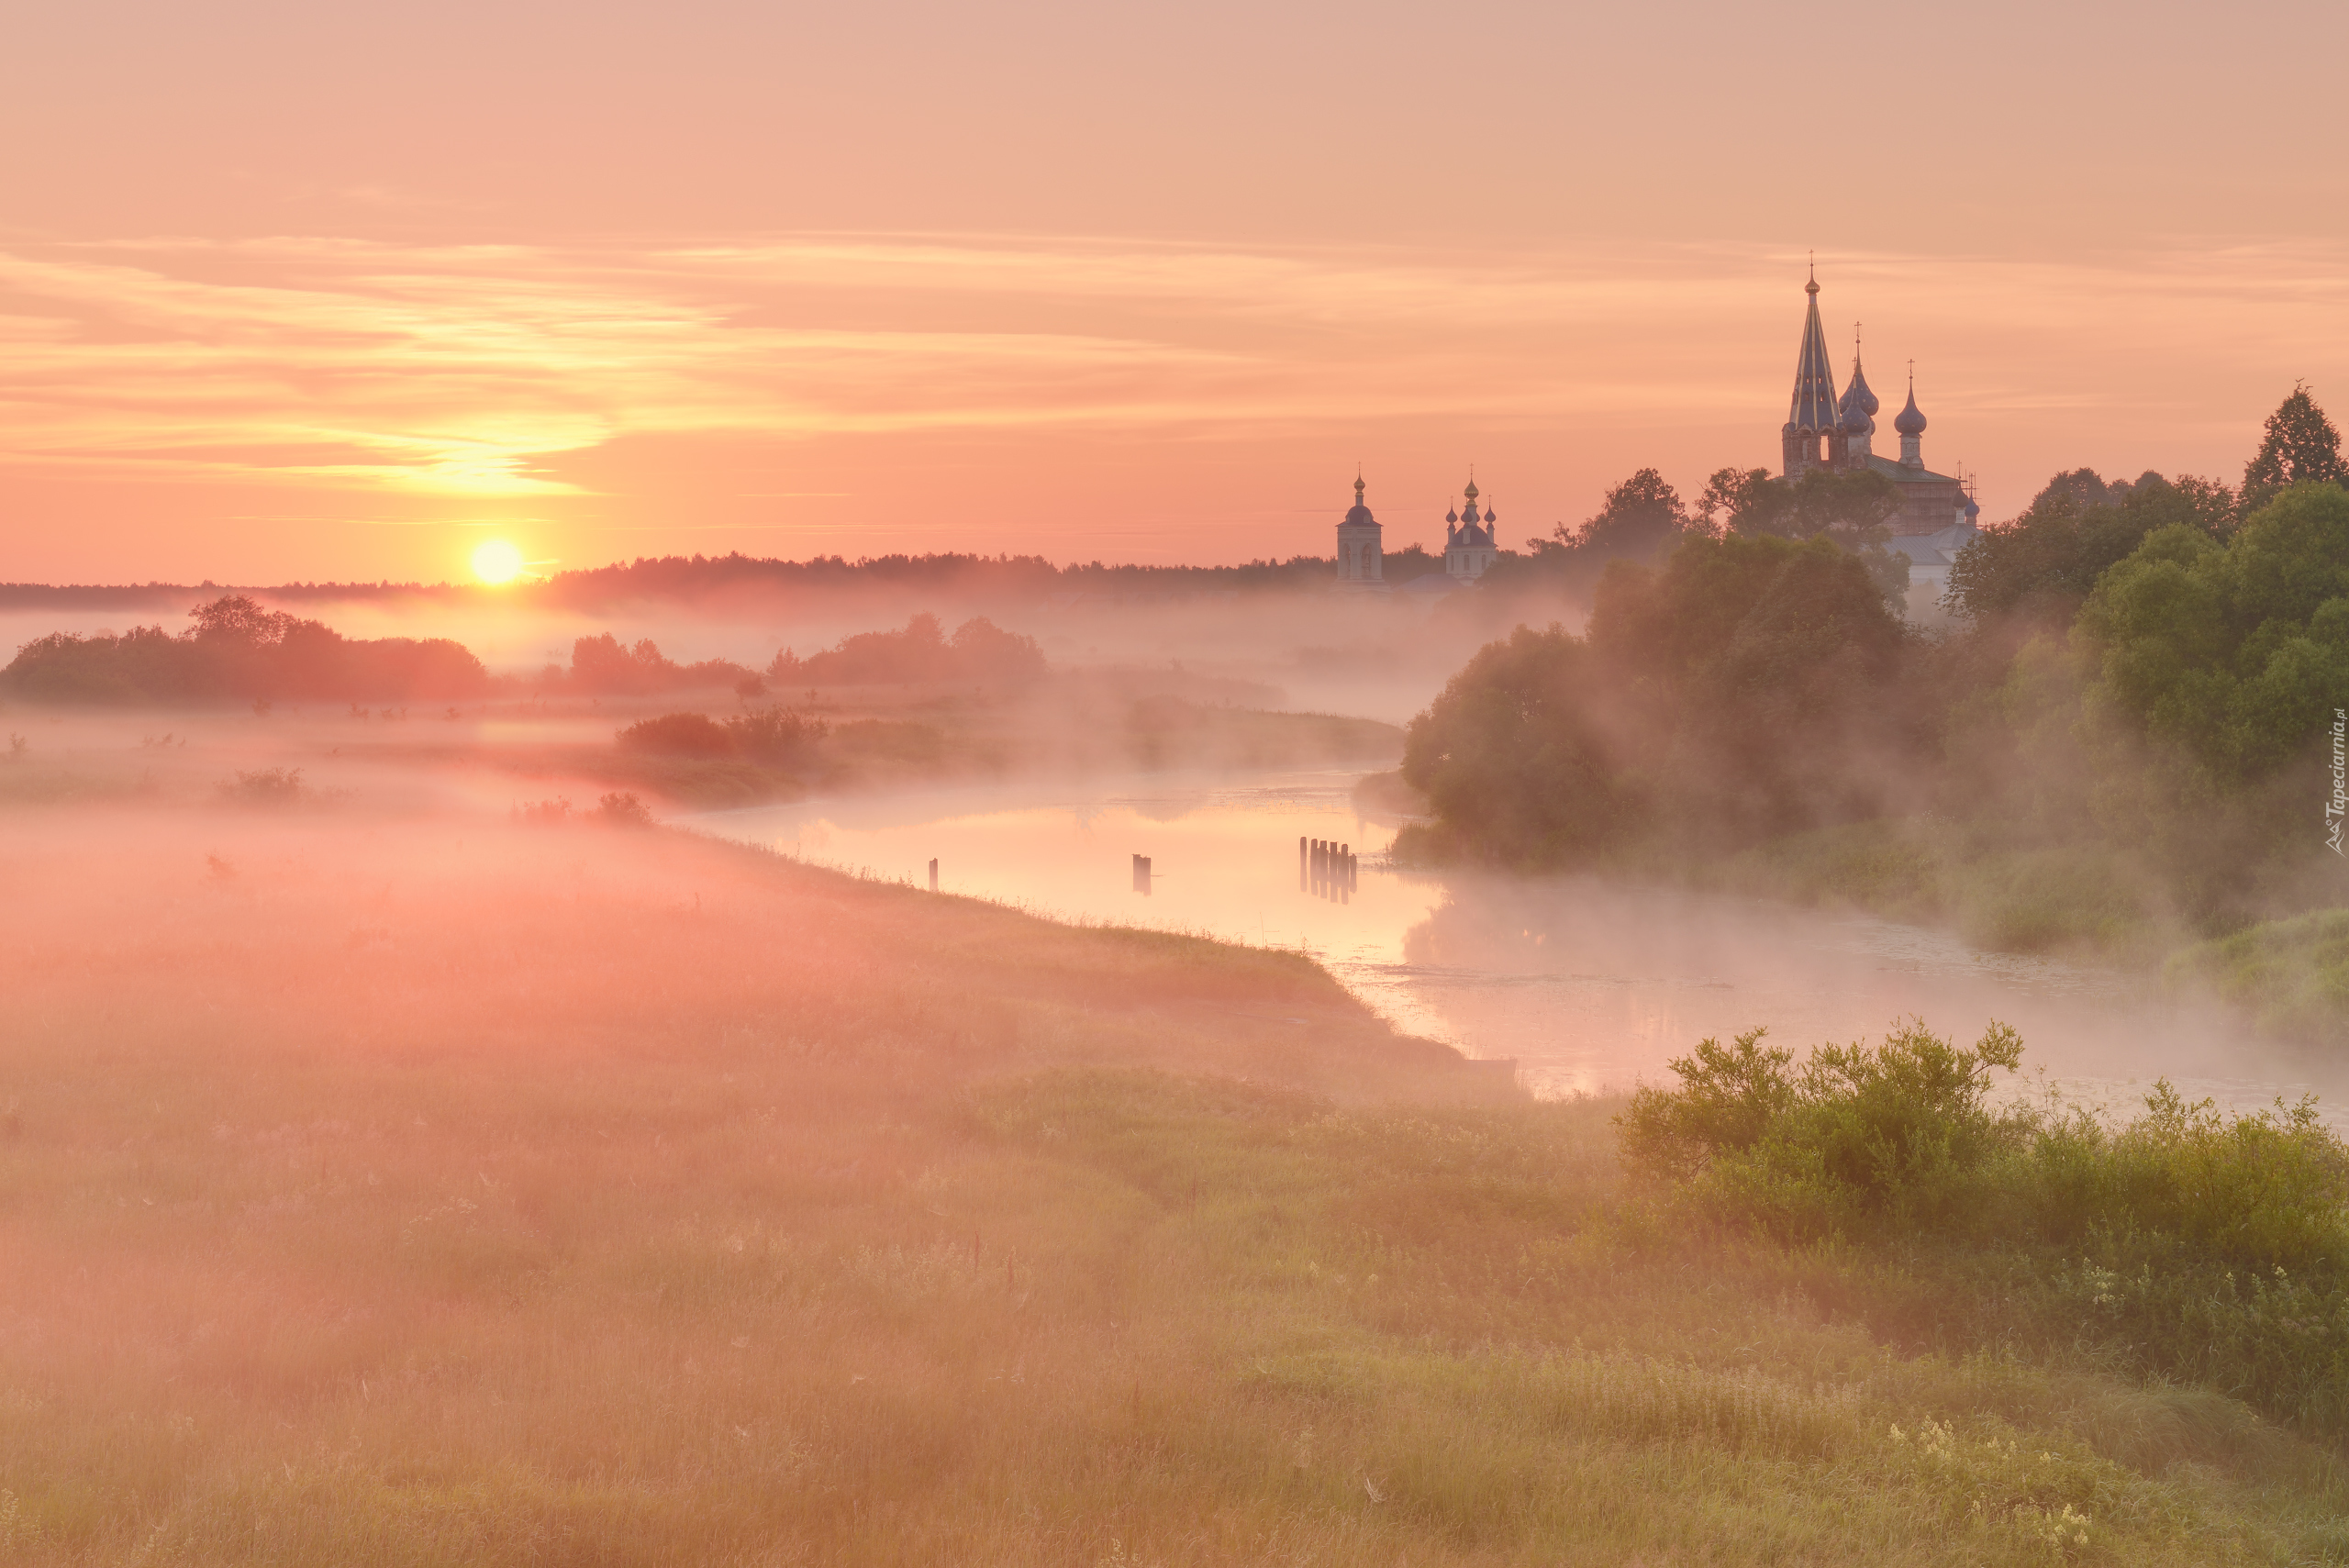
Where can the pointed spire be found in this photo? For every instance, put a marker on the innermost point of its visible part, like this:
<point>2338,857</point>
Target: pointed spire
<point>1813,407</point>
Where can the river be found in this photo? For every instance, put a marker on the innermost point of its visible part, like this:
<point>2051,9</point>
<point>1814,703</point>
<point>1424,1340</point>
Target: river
<point>1591,986</point>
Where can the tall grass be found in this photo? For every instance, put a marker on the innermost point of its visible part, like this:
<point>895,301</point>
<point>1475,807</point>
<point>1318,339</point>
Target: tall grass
<point>500,1195</point>
<point>2187,1242</point>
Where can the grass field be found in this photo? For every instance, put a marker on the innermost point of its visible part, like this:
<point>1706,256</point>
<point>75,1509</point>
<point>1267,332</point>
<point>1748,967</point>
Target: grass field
<point>399,1191</point>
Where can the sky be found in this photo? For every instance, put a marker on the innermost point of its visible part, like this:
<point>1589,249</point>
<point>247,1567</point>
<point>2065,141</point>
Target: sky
<point>305,292</point>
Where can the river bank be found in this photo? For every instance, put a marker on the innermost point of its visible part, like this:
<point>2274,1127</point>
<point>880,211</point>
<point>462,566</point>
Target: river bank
<point>460,1193</point>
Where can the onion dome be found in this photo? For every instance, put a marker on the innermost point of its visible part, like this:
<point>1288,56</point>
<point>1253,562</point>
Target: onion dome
<point>1858,398</point>
<point>1491,517</point>
<point>1451,517</point>
<point>1856,421</point>
<point>1911,422</point>
<point>1359,513</point>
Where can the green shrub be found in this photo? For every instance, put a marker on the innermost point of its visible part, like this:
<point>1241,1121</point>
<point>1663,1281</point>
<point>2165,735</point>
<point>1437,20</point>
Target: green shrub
<point>2188,1242</point>
<point>1860,1139</point>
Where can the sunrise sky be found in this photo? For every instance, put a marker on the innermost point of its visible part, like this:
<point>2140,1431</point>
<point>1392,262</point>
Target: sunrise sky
<point>302,291</point>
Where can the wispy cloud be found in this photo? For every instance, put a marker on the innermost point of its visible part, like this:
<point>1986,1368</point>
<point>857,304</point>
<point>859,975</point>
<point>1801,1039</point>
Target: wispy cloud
<point>477,371</point>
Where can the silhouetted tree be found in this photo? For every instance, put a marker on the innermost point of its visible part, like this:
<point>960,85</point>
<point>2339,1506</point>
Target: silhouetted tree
<point>1637,520</point>
<point>2299,445</point>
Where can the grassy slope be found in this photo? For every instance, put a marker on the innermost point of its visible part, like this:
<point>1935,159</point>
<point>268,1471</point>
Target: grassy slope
<point>416,1195</point>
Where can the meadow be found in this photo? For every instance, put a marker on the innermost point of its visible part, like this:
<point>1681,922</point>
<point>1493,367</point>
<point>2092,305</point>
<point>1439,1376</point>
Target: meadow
<point>389,1187</point>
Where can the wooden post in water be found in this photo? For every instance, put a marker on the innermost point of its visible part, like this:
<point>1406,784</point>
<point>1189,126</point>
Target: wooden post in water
<point>1142,875</point>
<point>934,873</point>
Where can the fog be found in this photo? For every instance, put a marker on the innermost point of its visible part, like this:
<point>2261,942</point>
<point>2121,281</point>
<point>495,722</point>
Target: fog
<point>1378,656</point>
<point>433,1129</point>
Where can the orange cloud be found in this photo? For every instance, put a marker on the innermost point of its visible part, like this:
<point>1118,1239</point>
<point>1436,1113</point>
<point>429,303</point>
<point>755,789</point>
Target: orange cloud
<point>444,376</point>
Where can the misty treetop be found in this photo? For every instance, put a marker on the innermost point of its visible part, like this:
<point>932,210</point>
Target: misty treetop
<point>239,649</point>
<point>2042,565</point>
<point>1726,694</point>
<point>979,650</point>
<point>602,664</point>
<point>1643,520</point>
<point>2300,446</point>
<point>2132,712</point>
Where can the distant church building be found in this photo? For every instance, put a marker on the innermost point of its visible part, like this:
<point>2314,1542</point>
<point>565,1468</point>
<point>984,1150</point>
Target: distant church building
<point>1358,541</point>
<point>1824,431</point>
<point>1468,543</point>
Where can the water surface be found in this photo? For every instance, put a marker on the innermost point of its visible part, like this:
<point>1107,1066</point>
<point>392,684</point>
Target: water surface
<point>1591,986</point>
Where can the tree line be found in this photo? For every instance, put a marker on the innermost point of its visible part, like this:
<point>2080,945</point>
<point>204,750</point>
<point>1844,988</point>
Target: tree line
<point>2142,671</point>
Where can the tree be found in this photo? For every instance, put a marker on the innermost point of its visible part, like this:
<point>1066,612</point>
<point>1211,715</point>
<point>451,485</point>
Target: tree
<point>1848,507</point>
<point>2300,444</point>
<point>2237,651</point>
<point>1638,520</point>
<point>1742,500</point>
<point>2042,565</point>
<point>1741,689</point>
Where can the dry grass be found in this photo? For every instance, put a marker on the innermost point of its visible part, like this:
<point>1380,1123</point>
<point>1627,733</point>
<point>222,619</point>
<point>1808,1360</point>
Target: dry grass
<point>414,1193</point>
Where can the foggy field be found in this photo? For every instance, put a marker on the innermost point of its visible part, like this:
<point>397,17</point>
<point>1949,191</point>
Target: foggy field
<point>521,751</point>
<point>423,1189</point>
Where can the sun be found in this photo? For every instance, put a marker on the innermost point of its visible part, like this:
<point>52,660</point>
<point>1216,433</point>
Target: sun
<point>497,562</point>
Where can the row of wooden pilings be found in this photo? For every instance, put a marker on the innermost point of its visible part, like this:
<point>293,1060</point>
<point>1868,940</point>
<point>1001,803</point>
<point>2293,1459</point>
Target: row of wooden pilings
<point>1327,870</point>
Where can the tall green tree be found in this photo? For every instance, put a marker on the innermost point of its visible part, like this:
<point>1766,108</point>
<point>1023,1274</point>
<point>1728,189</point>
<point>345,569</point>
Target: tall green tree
<point>1639,519</point>
<point>2040,567</point>
<point>2300,444</point>
<point>2237,652</point>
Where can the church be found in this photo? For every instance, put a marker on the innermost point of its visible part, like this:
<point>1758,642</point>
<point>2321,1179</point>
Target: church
<point>1824,430</point>
<point>1469,547</point>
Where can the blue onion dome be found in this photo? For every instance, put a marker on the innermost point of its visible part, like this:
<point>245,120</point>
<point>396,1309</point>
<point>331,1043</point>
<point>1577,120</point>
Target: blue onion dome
<point>1491,516</point>
<point>1911,422</point>
<point>1856,421</point>
<point>1973,510</point>
<point>1860,394</point>
<point>1451,517</point>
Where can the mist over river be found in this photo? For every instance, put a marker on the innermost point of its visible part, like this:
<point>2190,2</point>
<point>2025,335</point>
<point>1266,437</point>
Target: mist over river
<point>1590,985</point>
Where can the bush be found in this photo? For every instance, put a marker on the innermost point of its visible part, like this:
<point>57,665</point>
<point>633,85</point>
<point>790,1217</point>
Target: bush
<point>265,787</point>
<point>777,737</point>
<point>623,811</point>
<point>2188,1242</point>
<point>773,737</point>
<point>1860,1140</point>
<point>677,735</point>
